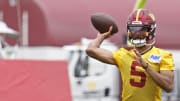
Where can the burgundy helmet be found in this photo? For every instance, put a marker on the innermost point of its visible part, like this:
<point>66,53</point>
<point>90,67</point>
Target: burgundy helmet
<point>141,20</point>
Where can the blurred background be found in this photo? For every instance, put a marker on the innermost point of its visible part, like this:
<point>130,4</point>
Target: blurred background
<point>42,45</point>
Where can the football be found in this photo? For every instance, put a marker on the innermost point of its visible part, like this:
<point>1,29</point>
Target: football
<point>102,22</point>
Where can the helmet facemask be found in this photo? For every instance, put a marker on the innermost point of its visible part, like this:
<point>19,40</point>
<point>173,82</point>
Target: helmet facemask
<point>141,35</point>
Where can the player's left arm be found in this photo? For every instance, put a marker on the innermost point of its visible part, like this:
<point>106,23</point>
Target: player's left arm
<point>164,78</point>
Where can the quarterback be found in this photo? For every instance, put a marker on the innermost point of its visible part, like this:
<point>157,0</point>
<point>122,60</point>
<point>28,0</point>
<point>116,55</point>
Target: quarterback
<point>145,69</point>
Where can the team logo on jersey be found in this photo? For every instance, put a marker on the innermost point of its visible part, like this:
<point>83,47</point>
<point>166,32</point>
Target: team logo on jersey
<point>155,58</point>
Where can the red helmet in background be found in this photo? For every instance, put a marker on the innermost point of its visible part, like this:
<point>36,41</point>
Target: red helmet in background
<point>141,20</point>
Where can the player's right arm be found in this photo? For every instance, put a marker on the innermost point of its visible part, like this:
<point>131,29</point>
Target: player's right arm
<point>93,50</point>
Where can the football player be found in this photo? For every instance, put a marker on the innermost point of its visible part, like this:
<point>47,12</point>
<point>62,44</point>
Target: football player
<point>145,69</point>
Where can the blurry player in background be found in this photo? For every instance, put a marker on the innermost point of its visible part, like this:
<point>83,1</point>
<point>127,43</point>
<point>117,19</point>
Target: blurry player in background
<point>145,69</point>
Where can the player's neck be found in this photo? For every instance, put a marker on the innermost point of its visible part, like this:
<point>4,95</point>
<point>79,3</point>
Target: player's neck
<point>144,49</point>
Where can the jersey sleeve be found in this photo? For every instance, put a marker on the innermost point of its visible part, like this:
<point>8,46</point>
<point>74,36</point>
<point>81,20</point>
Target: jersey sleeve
<point>167,62</point>
<point>117,56</point>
